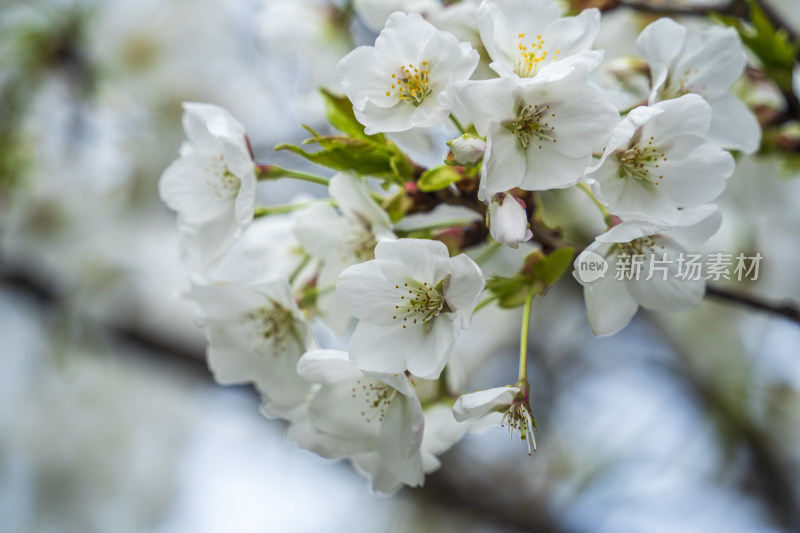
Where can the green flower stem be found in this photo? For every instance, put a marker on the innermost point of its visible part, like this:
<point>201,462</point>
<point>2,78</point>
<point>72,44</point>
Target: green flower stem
<point>307,296</point>
<point>293,276</point>
<point>274,172</point>
<point>606,215</point>
<point>457,124</point>
<point>523,337</point>
<point>488,252</point>
<point>286,208</point>
<point>483,303</point>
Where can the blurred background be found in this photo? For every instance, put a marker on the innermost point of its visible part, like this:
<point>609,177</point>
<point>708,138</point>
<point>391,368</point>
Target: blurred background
<point>110,420</point>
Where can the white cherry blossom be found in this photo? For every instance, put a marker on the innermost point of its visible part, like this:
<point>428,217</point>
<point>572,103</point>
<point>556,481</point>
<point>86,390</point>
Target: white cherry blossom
<point>658,160</point>
<point>406,79</point>
<point>341,238</point>
<point>508,220</point>
<point>375,13</point>
<point>256,333</point>
<point>540,135</point>
<point>612,302</point>
<point>412,300</point>
<point>212,186</point>
<point>509,405</point>
<point>529,38</point>
<point>707,63</point>
<point>375,419</point>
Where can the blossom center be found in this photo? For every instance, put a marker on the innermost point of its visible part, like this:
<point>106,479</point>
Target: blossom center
<point>518,418</point>
<point>377,397</point>
<point>676,87</point>
<point>220,179</point>
<point>412,85</point>
<point>418,303</point>
<point>531,56</point>
<point>641,162</point>
<point>531,125</point>
<point>272,323</point>
<point>359,244</point>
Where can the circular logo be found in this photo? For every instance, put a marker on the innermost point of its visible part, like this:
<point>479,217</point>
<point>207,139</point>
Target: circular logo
<point>590,267</point>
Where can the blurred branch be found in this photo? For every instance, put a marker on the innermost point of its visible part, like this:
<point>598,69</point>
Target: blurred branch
<point>733,8</point>
<point>150,342</point>
<point>785,309</point>
<point>768,468</point>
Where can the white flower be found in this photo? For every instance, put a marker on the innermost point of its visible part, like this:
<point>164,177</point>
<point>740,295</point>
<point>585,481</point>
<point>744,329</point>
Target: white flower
<point>541,134</point>
<point>467,149</point>
<point>268,249</point>
<point>341,240</point>
<point>706,63</point>
<point>377,419</point>
<point>657,160</point>
<point>375,13</point>
<point>528,38</point>
<point>412,300</point>
<point>213,184</point>
<point>256,333</point>
<point>507,220</point>
<point>406,79</point>
<point>611,302</point>
<point>512,402</point>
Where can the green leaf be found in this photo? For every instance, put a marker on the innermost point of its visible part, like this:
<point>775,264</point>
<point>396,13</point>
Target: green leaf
<point>346,153</point>
<point>438,178</point>
<point>510,292</point>
<point>539,272</point>
<point>339,112</point>
<point>397,205</point>
<point>547,269</point>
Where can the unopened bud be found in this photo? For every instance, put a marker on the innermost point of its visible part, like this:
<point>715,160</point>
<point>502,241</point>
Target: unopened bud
<point>507,220</point>
<point>467,149</point>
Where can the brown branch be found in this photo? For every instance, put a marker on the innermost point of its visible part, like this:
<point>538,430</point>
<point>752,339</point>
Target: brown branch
<point>768,466</point>
<point>786,309</point>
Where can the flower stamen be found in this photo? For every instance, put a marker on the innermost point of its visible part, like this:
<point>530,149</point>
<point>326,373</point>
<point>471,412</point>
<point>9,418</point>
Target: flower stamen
<point>413,84</point>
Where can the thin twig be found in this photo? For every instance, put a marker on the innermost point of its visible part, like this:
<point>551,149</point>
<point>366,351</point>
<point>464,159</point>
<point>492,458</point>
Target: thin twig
<point>785,309</point>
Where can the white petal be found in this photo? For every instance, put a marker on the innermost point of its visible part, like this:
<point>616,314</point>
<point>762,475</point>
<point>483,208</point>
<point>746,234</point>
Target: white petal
<point>205,124</point>
<point>696,224</point>
<point>384,349</point>
<point>687,115</point>
<point>187,187</point>
<point>672,294</point>
<point>609,307</point>
<point>660,43</point>
<point>572,35</point>
<point>367,293</point>
<point>463,287</point>
<point>400,439</point>
<point>625,130</point>
<point>698,178</point>
<point>503,164</point>
<point>713,59</point>
<point>478,404</point>
<point>548,169</point>
<point>630,230</point>
<point>420,259</point>
<point>733,125</point>
<point>429,357</point>
<point>327,366</point>
<point>488,100</point>
<point>364,78</point>
<point>379,120</point>
<point>352,196</point>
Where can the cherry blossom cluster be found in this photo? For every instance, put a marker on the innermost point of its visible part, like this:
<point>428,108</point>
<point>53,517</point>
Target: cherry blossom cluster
<point>513,85</point>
